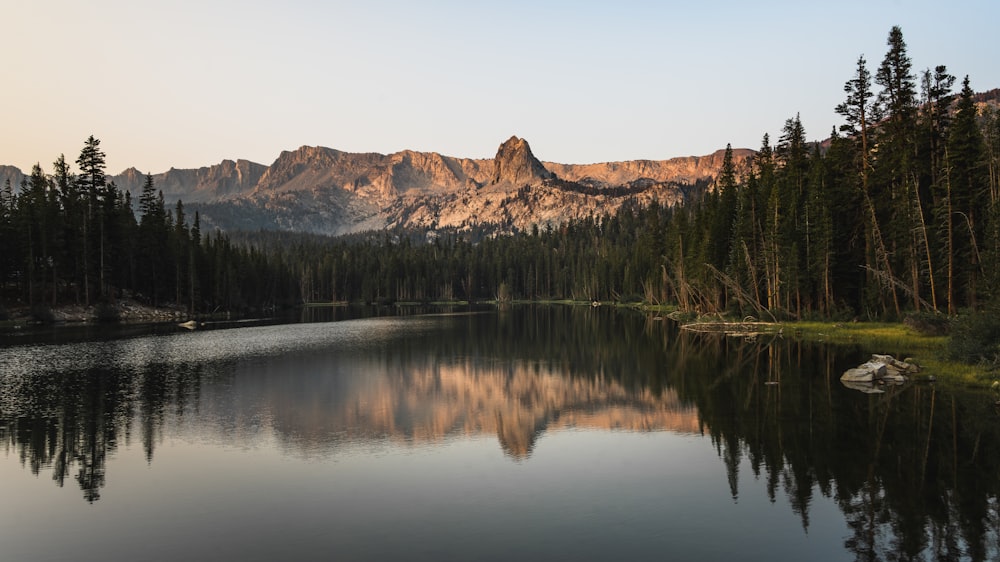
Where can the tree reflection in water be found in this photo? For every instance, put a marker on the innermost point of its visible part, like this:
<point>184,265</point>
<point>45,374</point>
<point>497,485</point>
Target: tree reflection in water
<point>73,421</point>
<point>913,470</point>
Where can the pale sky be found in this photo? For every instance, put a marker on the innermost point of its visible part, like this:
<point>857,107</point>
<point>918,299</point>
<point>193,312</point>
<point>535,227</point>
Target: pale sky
<point>188,83</point>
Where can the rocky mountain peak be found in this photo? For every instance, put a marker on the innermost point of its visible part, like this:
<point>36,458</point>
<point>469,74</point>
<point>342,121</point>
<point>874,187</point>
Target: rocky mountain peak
<point>516,165</point>
<point>132,175</point>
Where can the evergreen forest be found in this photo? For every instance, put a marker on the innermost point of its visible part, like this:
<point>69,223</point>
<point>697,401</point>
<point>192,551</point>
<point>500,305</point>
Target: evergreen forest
<point>898,211</point>
<point>75,238</point>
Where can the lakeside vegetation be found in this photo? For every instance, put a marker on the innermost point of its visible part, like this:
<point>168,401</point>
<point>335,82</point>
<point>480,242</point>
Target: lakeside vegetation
<point>930,352</point>
<point>895,216</point>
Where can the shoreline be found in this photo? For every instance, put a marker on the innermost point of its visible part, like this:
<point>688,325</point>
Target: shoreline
<point>125,311</point>
<point>874,336</point>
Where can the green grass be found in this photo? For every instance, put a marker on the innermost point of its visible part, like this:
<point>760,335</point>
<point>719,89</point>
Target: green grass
<point>877,334</point>
<point>930,352</point>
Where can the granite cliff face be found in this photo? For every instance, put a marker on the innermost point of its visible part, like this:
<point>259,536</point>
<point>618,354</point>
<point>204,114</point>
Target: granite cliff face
<point>318,189</point>
<point>688,169</point>
<point>225,180</point>
<point>373,176</point>
<point>515,165</point>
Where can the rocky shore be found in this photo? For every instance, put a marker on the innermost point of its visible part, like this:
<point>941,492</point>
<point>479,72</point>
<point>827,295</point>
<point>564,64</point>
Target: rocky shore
<point>125,310</point>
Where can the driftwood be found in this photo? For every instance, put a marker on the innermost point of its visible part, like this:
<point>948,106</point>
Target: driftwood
<point>741,329</point>
<point>884,369</point>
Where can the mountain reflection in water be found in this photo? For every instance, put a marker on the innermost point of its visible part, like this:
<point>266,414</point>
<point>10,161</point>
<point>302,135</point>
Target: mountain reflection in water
<point>913,472</point>
<point>428,401</point>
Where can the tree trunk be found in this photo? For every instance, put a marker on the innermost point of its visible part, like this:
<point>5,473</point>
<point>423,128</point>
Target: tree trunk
<point>950,245</point>
<point>927,246</point>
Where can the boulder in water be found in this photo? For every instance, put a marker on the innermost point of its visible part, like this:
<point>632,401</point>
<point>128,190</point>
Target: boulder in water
<point>883,369</point>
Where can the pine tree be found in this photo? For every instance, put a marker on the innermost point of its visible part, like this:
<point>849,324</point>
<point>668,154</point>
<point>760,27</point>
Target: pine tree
<point>770,231</point>
<point>936,117</point>
<point>819,233</point>
<point>991,256</point>
<point>152,250</point>
<point>859,112</point>
<point>9,248</point>
<point>724,217</point>
<point>968,194</point>
<point>69,230</point>
<point>744,248</point>
<point>895,195</point>
<point>180,249</point>
<point>36,225</point>
<point>91,182</point>
<point>934,122</point>
<point>194,265</point>
<point>792,226</point>
<point>898,95</point>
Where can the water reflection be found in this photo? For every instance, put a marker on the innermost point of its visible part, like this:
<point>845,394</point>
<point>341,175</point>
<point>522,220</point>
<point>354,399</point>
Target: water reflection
<point>427,400</point>
<point>912,471</point>
<point>320,387</point>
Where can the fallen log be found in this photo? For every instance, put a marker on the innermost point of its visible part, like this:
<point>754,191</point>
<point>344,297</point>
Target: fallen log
<point>734,328</point>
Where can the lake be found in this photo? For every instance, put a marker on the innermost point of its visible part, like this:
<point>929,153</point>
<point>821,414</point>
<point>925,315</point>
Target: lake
<point>525,433</point>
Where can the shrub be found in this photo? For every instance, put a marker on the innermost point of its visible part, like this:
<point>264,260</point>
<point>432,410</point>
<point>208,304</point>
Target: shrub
<point>929,323</point>
<point>975,337</point>
<point>42,314</point>
<point>107,312</point>
<point>683,316</point>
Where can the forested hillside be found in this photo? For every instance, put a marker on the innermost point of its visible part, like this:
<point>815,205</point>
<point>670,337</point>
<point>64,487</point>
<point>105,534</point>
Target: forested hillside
<point>76,238</point>
<point>898,211</point>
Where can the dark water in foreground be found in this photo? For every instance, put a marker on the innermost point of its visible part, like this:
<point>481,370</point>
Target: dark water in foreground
<point>530,433</point>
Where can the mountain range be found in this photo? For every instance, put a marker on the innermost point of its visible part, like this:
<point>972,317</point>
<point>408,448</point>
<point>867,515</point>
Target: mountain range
<point>327,191</point>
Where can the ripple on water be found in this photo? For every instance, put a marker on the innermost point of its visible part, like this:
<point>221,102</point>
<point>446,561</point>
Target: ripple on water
<point>200,346</point>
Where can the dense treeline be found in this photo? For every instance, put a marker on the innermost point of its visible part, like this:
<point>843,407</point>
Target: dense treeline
<point>76,238</point>
<point>898,211</point>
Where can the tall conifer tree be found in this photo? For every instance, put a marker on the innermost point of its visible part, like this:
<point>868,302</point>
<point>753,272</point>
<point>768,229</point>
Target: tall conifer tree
<point>969,200</point>
<point>91,184</point>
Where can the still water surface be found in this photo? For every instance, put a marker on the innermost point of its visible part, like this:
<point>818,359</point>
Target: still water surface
<point>529,433</point>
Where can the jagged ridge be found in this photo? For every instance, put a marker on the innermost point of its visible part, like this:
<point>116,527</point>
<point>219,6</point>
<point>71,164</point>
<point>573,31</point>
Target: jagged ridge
<point>225,180</point>
<point>318,189</point>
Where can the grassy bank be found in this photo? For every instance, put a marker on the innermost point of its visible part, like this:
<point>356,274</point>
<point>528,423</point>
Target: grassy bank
<point>896,339</point>
<point>931,352</point>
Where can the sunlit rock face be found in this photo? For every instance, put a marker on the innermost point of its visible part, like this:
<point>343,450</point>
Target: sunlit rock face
<point>515,165</point>
<point>226,180</point>
<point>323,190</point>
<point>685,170</point>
